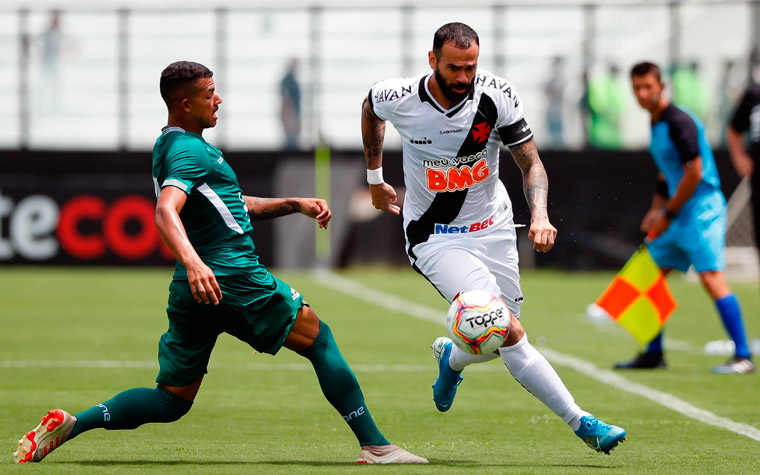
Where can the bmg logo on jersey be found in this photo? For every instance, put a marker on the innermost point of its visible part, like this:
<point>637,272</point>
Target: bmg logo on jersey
<point>453,179</point>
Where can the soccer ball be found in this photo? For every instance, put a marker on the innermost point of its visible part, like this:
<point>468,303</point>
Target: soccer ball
<point>478,322</point>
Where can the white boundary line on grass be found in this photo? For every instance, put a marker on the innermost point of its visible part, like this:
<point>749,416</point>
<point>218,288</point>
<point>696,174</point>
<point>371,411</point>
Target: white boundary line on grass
<point>392,302</point>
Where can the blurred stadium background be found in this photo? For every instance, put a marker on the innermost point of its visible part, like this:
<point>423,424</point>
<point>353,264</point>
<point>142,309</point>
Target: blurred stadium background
<point>84,110</point>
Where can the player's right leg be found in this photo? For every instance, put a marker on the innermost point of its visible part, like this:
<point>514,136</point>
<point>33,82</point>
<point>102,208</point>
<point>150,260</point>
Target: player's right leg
<point>313,339</point>
<point>451,271</point>
<point>127,410</point>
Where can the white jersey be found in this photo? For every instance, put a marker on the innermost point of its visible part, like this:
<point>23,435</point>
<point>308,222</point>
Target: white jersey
<point>451,157</point>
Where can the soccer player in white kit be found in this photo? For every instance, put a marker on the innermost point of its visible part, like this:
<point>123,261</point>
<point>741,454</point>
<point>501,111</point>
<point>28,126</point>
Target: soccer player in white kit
<point>458,221</point>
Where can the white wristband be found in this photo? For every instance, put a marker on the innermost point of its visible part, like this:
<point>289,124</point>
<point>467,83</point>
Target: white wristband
<point>375,177</point>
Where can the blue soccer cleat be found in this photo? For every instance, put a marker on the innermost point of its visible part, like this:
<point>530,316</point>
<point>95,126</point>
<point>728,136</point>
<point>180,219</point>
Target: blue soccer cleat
<point>598,435</point>
<point>445,386</point>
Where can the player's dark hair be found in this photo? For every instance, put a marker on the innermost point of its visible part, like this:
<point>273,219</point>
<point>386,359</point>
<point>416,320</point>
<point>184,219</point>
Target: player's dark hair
<point>178,77</point>
<point>644,68</point>
<point>458,34</point>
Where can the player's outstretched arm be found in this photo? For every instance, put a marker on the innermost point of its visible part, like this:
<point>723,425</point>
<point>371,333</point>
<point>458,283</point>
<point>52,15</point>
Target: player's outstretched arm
<point>536,189</point>
<point>261,209</point>
<point>373,135</point>
<point>201,278</point>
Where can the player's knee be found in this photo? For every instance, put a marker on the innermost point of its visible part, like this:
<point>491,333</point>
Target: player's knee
<point>173,407</point>
<point>516,332</point>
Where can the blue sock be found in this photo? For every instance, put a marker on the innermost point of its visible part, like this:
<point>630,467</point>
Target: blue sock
<point>655,346</point>
<point>731,314</point>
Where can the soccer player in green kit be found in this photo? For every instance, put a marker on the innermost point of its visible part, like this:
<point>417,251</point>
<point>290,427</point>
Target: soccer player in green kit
<point>218,286</point>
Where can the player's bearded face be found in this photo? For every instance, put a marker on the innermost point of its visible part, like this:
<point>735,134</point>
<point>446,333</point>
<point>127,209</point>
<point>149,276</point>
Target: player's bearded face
<point>455,90</point>
<point>454,70</point>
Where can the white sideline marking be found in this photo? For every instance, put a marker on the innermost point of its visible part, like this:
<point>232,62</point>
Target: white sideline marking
<point>100,364</point>
<point>391,302</point>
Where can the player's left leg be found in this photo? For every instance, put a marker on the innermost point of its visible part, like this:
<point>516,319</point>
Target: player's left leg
<point>532,370</point>
<point>707,253</point>
<point>183,354</point>
<point>313,339</point>
<point>730,313</point>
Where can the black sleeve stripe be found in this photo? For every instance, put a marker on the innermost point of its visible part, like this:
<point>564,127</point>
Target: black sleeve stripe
<point>683,133</point>
<point>516,133</point>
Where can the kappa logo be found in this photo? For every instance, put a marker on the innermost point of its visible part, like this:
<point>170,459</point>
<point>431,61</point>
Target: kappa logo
<point>480,132</point>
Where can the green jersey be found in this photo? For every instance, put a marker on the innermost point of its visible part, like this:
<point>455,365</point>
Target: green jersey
<point>215,215</point>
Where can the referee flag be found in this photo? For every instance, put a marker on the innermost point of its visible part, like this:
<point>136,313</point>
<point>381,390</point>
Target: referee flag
<point>638,297</point>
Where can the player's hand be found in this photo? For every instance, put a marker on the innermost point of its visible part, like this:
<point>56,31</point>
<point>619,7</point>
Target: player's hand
<point>384,197</point>
<point>661,223</point>
<point>649,219</point>
<point>542,233</point>
<point>745,166</point>
<point>203,283</point>
<point>316,208</point>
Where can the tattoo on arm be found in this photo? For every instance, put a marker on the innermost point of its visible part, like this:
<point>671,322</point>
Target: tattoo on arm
<point>269,208</point>
<point>373,134</point>
<point>535,181</point>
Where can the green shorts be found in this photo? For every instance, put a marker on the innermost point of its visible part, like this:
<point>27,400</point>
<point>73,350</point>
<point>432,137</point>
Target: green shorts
<point>257,308</point>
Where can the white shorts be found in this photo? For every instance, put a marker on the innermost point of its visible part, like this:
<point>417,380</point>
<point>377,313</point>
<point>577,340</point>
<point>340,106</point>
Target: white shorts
<point>486,262</point>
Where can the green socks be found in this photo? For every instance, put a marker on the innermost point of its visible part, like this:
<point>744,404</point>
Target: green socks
<point>341,388</point>
<point>132,408</point>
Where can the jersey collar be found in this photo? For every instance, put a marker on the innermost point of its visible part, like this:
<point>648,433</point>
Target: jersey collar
<point>425,96</point>
<point>174,128</point>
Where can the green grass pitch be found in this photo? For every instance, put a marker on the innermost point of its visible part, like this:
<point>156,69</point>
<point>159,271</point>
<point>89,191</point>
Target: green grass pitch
<point>72,338</point>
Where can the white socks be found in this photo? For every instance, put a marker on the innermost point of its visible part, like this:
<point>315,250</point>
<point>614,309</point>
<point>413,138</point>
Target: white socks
<point>533,371</point>
<point>459,358</point>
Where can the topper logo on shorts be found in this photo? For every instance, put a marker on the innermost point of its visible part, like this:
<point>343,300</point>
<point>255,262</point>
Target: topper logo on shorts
<point>484,319</point>
<point>467,228</point>
<point>453,179</point>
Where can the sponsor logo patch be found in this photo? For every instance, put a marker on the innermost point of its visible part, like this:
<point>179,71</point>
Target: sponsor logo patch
<point>464,229</point>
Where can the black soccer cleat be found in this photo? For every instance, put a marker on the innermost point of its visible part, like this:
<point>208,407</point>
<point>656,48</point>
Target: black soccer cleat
<point>643,361</point>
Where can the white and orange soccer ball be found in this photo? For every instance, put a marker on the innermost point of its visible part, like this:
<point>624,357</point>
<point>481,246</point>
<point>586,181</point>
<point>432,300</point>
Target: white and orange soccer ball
<point>478,322</point>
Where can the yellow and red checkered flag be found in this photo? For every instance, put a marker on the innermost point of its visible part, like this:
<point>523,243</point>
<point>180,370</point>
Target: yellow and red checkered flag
<point>638,297</point>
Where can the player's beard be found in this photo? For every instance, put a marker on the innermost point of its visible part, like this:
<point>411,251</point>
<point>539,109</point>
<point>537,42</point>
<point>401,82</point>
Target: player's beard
<point>446,89</point>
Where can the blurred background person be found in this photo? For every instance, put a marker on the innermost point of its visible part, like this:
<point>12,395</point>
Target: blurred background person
<point>290,106</point>
<point>690,91</point>
<point>606,104</point>
<point>554,89</point>
<point>746,119</point>
<point>730,88</point>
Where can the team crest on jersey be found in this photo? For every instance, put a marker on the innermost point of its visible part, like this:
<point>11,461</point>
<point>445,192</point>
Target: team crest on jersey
<point>480,132</point>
